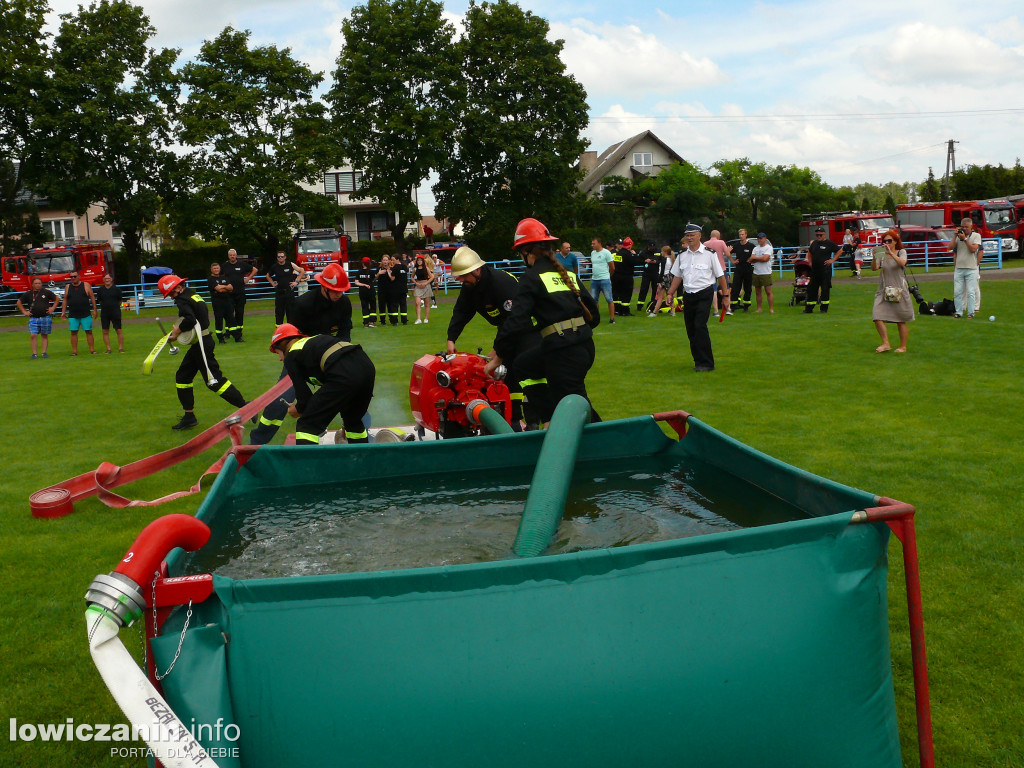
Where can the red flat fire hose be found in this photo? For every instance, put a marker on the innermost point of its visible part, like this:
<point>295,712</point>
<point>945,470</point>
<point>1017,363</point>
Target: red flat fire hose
<point>58,500</point>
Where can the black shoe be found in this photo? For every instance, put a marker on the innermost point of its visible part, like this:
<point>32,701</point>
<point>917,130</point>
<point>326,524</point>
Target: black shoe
<point>823,310</point>
<point>221,339</point>
<point>703,368</point>
<point>188,421</point>
<point>808,310</point>
<point>239,339</point>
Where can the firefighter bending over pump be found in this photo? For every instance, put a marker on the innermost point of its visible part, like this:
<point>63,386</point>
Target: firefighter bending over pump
<point>345,376</point>
<point>491,293</point>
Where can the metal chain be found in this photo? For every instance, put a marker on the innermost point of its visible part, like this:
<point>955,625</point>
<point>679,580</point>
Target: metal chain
<point>184,629</point>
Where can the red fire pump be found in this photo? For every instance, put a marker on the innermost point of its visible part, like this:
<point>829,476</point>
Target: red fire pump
<point>443,385</point>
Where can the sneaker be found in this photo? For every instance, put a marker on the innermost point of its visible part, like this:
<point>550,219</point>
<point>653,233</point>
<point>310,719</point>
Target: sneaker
<point>728,312</point>
<point>417,322</point>
<point>612,321</point>
<point>45,355</point>
<point>108,352</point>
<point>33,357</point>
<point>651,314</point>
<point>188,421</point>
<point>427,321</point>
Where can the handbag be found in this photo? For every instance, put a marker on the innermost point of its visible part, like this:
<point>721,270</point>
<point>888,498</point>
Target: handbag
<point>892,293</point>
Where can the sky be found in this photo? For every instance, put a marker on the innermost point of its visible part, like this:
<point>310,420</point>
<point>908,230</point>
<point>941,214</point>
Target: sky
<point>859,92</point>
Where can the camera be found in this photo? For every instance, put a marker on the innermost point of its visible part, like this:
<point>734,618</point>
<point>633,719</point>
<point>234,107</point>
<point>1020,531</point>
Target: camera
<point>916,293</point>
<point>960,231</point>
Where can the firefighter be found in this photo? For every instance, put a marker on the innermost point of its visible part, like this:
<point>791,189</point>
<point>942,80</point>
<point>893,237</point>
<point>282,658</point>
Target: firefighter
<point>199,358</point>
<point>549,299</point>
<point>239,273</point>
<point>285,277</point>
<point>822,254</point>
<point>366,278</point>
<point>220,296</point>
<point>625,259</point>
<point>345,376</point>
<point>490,293</point>
<point>399,297</point>
<point>326,310</point>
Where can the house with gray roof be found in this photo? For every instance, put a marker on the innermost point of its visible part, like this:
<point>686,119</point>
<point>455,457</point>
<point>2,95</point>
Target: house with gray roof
<point>638,156</point>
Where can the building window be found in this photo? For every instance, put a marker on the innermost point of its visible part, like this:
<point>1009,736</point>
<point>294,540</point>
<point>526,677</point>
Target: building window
<point>59,229</point>
<point>643,159</point>
<point>343,182</point>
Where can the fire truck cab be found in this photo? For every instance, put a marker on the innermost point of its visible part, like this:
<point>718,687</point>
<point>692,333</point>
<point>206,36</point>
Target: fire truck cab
<point>869,225</point>
<point>993,219</point>
<point>314,249</point>
<point>54,262</point>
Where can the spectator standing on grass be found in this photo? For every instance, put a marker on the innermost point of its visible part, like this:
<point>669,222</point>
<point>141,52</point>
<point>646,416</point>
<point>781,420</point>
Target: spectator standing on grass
<point>717,244</point>
<point>284,276</point>
<point>400,271</point>
<point>110,297</point>
<point>622,277</point>
<point>967,255</point>
<point>423,276</point>
<point>667,261</point>
<point>602,266</point>
<point>851,248</point>
<point>892,299</point>
<point>761,264</point>
<point>698,270</point>
<point>567,258</point>
<point>78,298</point>
<point>650,276</point>
<point>743,271</point>
<point>38,305</point>
<point>365,281</point>
<point>822,254</point>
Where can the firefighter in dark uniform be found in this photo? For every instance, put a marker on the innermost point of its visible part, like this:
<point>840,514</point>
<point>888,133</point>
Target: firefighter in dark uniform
<point>550,300</point>
<point>399,290</point>
<point>220,296</point>
<point>285,277</point>
<point>491,293</point>
<point>366,278</point>
<point>345,377</point>
<point>743,274</point>
<point>239,273</point>
<point>622,278</point>
<point>324,311</point>
<point>822,254</point>
<point>199,359</point>
<point>650,277</point>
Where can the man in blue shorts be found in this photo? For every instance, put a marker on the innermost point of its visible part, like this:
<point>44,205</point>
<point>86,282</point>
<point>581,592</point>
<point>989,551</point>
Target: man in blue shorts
<point>38,305</point>
<point>601,275</point>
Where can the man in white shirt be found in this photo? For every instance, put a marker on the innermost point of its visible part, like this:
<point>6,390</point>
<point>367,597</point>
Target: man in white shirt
<point>761,259</point>
<point>967,255</point>
<point>698,270</point>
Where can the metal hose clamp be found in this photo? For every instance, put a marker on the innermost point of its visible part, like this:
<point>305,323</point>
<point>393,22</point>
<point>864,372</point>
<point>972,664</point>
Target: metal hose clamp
<point>119,596</point>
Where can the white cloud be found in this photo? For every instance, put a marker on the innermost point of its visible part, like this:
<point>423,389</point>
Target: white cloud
<point>928,54</point>
<point>624,61</point>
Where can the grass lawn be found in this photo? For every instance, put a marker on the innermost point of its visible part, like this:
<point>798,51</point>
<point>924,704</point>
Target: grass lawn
<point>938,427</point>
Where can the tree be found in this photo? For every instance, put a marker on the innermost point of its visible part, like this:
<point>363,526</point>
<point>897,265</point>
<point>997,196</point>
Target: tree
<point>515,148</point>
<point>24,62</point>
<point>386,99</point>
<point>889,205</point>
<point>257,132</point>
<point>107,111</point>
<point>929,191</point>
<point>681,193</point>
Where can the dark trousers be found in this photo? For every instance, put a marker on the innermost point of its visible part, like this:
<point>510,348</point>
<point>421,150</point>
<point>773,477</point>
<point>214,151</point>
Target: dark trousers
<point>403,306</point>
<point>368,303</point>
<point>742,282</point>
<point>192,364</point>
<point>696,312</point>
<point>284,306</point>
<point>647,283</point>
<point>392,308</point>
<point>821,281</point>
<point>526,382</point>
<point>622,294</point>
<point>273,416</point>
<point>238,305</point>
<point>224,317</point>
<point>347,390</point>
<point>565,366</point>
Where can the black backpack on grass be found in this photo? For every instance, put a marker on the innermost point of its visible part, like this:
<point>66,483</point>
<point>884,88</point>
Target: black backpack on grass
<point>946,307</point>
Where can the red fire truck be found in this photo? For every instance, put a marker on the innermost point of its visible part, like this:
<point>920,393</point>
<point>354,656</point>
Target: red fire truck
<point>869,225</point>
<point>993,219</point>
<point>55,261</point>
<point>316,248</point>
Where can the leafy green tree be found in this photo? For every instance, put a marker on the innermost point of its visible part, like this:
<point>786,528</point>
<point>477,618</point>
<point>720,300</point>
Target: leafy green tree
<point>929,191</point>
<point>108,110</point>
<point>889,205</point>
<point>515,148</point>
<point>386,99</point>
<point>256,131</point>
<point>680,193</point>
<point>24,62</point>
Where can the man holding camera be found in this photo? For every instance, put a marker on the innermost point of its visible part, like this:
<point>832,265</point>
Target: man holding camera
<point>967,254</point>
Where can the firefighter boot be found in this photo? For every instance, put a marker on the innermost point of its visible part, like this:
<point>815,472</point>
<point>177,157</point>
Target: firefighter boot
<point>188,420</point>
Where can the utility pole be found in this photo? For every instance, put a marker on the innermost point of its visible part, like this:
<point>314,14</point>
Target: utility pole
<point>950,168</point>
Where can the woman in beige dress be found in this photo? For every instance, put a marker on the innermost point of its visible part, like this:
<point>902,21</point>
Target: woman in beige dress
<point>891,259</point>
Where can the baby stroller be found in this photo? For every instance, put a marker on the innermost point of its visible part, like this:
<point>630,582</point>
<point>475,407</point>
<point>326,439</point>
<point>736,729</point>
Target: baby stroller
<point>801,279</point>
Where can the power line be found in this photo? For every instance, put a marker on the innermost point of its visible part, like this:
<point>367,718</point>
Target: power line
<point>889,157</point>
<point>819,117</point>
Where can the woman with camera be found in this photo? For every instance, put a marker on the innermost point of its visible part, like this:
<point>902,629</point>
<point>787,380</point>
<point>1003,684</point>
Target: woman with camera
<point>892,299</point>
